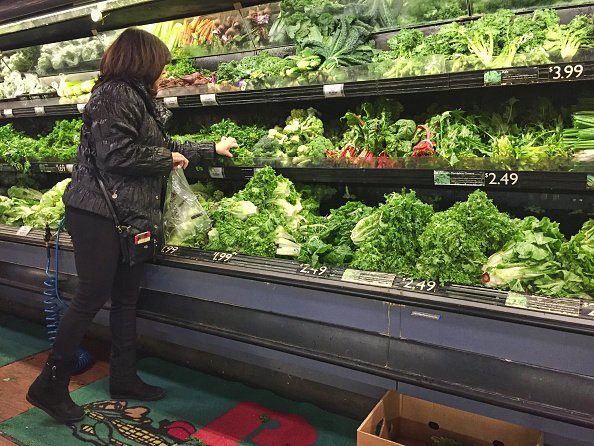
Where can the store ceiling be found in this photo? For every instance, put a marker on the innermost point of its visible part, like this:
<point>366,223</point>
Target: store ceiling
<point>13,10</point>
<point>82,25</point>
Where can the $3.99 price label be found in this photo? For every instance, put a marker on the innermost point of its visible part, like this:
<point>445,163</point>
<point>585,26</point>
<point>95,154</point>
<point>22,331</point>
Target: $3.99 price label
<point>566,72</point>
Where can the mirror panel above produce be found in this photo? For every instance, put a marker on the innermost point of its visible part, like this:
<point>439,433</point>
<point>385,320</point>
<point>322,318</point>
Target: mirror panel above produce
<point>264,26</point>
<point>328,48</point>
<point>74,56</point>
<point>428,11</point>
<point>204,35</point>
<point>487,6</point>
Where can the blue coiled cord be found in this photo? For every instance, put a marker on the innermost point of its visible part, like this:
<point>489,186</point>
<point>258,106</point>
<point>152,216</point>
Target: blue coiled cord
<point>54,306</point>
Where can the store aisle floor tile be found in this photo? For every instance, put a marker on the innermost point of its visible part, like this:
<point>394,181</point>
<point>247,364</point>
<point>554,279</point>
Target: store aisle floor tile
<point>6,442</point>
<point>20,339</point>
<point>16,377</point>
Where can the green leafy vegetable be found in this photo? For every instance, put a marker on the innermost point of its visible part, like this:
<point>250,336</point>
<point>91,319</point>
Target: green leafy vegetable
<point>388,240</point>
<point>457,242</point>
<point>530,263</point>
<point>577,256</point>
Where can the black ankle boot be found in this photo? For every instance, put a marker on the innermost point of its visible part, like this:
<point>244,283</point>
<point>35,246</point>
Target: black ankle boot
<point>49,392</point>
<point>124,383</point>
<point>133,388</point>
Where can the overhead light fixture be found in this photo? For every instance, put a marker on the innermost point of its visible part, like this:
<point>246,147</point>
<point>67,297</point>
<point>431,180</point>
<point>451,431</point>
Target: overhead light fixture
<point>96,15</point>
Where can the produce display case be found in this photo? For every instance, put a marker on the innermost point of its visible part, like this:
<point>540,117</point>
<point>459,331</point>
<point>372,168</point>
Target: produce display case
<point>521,355</point>
<point>486,6</point>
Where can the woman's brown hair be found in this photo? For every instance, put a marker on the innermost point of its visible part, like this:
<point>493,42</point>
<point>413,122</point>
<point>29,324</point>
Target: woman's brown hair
<point>135,55</point>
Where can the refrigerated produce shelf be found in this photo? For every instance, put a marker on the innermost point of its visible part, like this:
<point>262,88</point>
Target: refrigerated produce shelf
<point>411,336</point>
<point>487,179</point>
<point>542,74</point>
<point>565,314</point>
<point>578,180</point>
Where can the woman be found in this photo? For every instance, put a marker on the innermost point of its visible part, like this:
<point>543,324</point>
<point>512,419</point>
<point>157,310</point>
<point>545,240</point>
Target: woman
<point>123,143</point>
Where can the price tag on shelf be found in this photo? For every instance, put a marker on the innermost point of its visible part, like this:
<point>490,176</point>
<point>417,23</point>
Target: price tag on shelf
<point>208,100</point>
<point>171,102</point>
<point>334,91</point>
<point>501,178</point>
<point>408,284</point>
<point>458,178</point>
<point>169,249</point>
<point>23,231</point>
<point>308,270</point>
<point>384,280</point>
<point>568,307</point>
<point>55,168</point>
<point>223,257</point>
<point>216,172</point>
<point>8,113</point>
<point>587,310</point>
<point>567,72</point>
<point>40,110</point>
<point>80,107</point>
<point>511,76</point>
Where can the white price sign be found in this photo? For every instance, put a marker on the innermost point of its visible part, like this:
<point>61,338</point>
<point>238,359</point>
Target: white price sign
<point>208,99</point>
<point>216,172</point>
<point>8,113</point>
<point>169,249</point>
<point>570,71</point>
<point>222,257</point>
<point>502,179</point>
<point>171,102</point>
<point>23,231</point>
<point>39,111</point>
<point>334,91</point>
<point>80,107</point>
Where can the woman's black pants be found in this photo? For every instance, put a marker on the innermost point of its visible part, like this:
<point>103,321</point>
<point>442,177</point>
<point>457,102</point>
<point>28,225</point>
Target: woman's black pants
<point>101,276</point>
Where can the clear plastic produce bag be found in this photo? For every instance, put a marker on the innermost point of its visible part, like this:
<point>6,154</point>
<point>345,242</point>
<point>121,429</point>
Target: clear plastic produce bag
<point>184,219</point>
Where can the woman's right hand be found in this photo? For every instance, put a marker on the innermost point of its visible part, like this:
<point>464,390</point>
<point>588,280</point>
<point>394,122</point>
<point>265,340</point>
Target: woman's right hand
<point>179,160</point>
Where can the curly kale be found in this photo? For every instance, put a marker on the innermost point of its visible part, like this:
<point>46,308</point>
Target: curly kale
<point>405,42</point>
<point>388,239</point>
<point>456,243</point>
<point>256,67</point>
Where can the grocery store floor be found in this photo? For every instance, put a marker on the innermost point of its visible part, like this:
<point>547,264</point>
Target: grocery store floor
<point>200,409</point>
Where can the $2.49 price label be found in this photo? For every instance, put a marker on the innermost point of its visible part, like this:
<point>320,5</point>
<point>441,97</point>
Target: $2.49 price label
<point>308,270</point>
<point>501,178</point>
<point>406,283</point>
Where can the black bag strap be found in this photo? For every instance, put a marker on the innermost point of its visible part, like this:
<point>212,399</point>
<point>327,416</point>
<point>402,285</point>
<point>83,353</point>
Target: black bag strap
<point>95,172</point>
<point>109,203</point>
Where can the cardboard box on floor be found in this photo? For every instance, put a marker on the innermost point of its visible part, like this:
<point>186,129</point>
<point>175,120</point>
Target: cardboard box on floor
<point>400,420</point>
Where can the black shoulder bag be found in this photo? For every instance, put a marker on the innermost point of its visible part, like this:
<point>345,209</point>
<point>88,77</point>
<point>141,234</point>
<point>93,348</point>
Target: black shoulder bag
<point>136,247</point>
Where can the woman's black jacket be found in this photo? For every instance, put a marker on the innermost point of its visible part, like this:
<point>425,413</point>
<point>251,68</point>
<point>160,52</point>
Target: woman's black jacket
<point>123,137</point>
